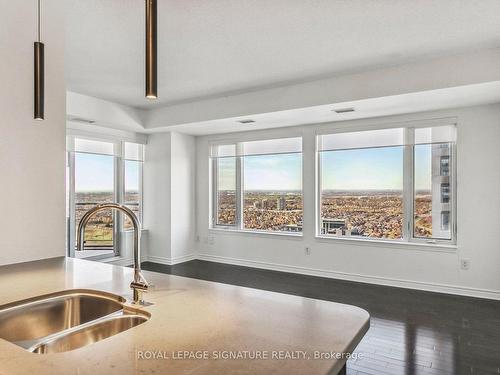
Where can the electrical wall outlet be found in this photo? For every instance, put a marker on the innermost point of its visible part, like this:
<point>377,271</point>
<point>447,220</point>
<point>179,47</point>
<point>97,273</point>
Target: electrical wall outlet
<point>307,250</point>
<point>464,263</point>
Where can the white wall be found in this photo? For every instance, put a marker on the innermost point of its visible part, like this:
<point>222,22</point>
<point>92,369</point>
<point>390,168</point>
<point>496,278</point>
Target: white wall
<point>32,164</point>
<point>421,267</point>
<point>183,223</point>
<point>169,196</point>
<point>157,204</point>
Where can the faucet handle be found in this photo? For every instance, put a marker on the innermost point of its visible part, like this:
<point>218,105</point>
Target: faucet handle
<point>139,285</point>
<point>138,289</point>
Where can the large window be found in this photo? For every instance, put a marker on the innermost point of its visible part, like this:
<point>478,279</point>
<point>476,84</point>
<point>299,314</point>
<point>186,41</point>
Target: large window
<point>257,185</point>
<point>380,184</point>
<point>101,171</point>
<point>362,184</point>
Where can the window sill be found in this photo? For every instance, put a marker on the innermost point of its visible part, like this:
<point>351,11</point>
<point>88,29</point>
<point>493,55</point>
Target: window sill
<point>241,232</point>
<point>438,246</point>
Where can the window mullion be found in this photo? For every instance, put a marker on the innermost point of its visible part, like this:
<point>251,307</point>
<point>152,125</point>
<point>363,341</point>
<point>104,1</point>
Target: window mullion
<point>215,189</point>
<point>119,194</point>
<point>408,185</point>
<point>239,192</point>
<point>72,207</point>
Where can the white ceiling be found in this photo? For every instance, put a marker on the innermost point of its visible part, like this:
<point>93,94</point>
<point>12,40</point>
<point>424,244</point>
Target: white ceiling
<point>217,47</point>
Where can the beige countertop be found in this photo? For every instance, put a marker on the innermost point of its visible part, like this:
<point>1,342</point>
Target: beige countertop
<point>188,317</point>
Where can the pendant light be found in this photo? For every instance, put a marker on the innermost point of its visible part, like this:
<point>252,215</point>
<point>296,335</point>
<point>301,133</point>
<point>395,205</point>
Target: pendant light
<point>39,72</point>
<point>151,50</point>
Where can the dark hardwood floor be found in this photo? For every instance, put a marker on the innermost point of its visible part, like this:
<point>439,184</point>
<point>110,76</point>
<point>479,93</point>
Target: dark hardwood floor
<point>412,332</point>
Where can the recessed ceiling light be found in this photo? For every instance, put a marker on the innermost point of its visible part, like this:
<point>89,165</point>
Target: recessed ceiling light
<point>82,120</point>
<point>247,121</point>
<point>343,110</point>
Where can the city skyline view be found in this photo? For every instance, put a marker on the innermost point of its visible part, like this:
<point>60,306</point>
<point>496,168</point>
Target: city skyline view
<point>361,192</point>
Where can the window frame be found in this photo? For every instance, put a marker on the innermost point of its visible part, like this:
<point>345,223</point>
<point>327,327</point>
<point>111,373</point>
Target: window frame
<point>239,183</point>
<point>408,235</point>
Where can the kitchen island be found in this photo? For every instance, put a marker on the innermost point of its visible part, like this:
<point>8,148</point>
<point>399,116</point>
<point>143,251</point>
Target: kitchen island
<point>195,326</point>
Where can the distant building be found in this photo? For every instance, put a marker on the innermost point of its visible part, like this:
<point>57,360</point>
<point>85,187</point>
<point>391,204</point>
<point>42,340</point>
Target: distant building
<point>441,156</point>
<point>329,226</point>
<point>267,204</point>
<point>281,203</point>
<point>292,227</point>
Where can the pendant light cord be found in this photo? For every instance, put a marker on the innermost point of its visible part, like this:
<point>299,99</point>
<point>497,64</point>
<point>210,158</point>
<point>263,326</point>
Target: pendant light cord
<point>39,22</point>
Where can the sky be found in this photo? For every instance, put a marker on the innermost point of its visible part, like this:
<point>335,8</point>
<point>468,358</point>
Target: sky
<point>423,167</point>
<point>264,172</point>
<point>273,172</point>
<point>362,169</point>
<point>373,169</point>
<point>96,173</point>
<point>377,169</point>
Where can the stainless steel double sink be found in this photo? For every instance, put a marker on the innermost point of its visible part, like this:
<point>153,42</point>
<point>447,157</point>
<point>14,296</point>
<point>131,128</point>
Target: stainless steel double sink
<point>66,320</point>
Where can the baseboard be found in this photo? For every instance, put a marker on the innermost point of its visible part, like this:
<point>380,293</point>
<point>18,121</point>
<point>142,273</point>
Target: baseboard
<point>169,261</point>
<point>418,285</point>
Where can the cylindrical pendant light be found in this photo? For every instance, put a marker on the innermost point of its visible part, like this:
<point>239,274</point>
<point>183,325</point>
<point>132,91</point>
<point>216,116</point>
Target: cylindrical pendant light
<point>151,50</point>
<point>39,73</point>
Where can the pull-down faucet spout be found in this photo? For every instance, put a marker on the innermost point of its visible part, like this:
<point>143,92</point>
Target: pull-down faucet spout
<point>139,284</point>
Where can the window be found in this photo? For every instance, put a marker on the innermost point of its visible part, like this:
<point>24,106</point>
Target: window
<point>379,184</point>
<point>226,191</point>
<point>433,158</point>
<point>258,185</point>
<point>362,184</point>
<point>94,184</point>
<point>101,171</point>
<point>132,180</point>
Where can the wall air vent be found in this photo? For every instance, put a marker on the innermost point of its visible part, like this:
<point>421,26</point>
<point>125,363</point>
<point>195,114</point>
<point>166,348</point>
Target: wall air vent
<point>81,120</point>
<point>247,121</point>
<point>343,110</point>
